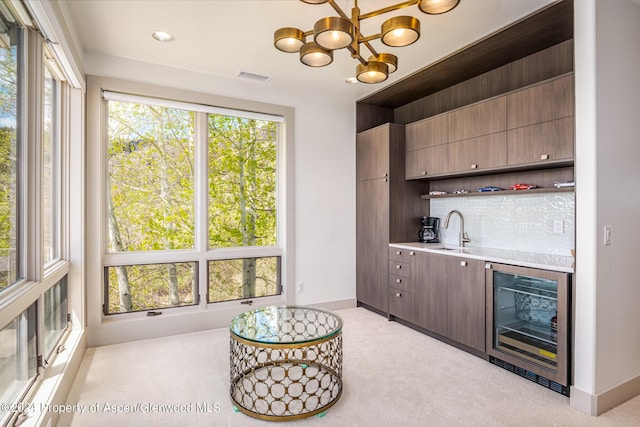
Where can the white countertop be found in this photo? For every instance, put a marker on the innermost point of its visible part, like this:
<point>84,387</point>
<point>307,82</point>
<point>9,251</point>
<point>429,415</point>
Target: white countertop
<point>505,256</point>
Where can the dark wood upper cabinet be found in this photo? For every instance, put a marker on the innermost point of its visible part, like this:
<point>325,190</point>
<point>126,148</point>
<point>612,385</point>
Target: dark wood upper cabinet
<point>427,133</point>
<point>482,118</point>
<point>541,103</point>
<point>544,142</point>
<point>427,161</point>
<point>372,148</point>
<point>489,151</point>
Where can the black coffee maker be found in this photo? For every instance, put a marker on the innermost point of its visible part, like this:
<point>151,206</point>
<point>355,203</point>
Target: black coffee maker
<point>429,233</point>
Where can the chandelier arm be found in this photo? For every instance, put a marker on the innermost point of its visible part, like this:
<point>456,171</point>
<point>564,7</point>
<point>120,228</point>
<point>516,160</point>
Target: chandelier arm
<point>387,9</point>
<point>369,38</point>
<point>339,11</point>
<point>356,55</point>
<point>371,48</point>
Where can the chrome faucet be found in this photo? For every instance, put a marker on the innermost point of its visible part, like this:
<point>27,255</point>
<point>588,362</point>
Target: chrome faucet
<point>464,238</point>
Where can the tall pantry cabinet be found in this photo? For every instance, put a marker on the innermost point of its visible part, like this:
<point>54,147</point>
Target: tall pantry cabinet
<point>388,209</point>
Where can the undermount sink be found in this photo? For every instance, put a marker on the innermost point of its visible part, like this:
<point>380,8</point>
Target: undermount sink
<point>450,248</point>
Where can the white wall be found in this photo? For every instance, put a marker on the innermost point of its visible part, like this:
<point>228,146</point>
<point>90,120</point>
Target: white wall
<point>607,154</point>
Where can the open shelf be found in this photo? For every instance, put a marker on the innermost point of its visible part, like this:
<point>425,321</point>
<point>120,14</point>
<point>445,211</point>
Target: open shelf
<point>501,193</point>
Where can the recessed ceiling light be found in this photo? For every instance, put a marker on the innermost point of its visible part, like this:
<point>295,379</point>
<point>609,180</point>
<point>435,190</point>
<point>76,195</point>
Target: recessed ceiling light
<point>351,80</point>
<point>162,36</point>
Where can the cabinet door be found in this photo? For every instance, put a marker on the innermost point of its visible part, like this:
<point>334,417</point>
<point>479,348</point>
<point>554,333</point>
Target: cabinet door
<point>478,153</point>
<point>466,302</point>
<point>427,133</point>
<point>428,276</point>
<point>372,153</point>
<point>541,103</point>
<point>372,228</point>
<point>479,119</point>
<point>547,141</point>
<point>426,162</point>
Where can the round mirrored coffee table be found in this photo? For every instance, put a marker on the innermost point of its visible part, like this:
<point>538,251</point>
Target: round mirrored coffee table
<point>286,362</point>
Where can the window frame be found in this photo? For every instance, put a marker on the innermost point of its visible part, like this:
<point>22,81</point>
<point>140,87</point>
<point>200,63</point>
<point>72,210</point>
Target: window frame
<point>37,277</point>
<point>98,256</point>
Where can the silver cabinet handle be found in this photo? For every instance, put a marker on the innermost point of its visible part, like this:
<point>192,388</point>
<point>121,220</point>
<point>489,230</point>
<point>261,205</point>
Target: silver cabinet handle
<point>474,166</point>
<point>463,263</point>
<point>398,280</point>
<point>398,252</point>
<point>488,265</point>
<point>385,175</point>
<point>544,157</point>
<point>386,180</point>
<point>398,294</point>
<point>412,253</point>
<point>398,267</point>
<point>424,172</point>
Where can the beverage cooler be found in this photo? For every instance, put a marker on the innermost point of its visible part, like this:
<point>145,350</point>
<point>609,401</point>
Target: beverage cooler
<point>528,323</point>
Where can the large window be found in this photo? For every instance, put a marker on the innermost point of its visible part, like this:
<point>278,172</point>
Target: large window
<point>10,153</point>
<point>193,197</point>
<point>33,258</point>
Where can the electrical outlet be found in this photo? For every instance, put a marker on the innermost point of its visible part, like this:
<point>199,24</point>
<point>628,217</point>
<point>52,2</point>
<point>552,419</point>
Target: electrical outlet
<point>558,226</point>
<point>300,287</point>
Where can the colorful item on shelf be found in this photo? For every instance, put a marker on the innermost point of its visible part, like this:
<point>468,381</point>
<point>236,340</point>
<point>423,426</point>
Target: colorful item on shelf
<point>488,189</point>
<point>523,186</point>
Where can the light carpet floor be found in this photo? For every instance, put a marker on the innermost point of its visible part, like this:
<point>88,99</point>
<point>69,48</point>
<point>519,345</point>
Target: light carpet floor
<point>393,376</point>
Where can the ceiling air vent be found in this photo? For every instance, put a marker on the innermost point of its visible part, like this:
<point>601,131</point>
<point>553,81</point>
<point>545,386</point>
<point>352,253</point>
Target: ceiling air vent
<point>254,77</point>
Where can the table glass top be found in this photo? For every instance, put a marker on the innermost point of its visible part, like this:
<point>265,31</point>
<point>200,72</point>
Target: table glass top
<point>286,324</point>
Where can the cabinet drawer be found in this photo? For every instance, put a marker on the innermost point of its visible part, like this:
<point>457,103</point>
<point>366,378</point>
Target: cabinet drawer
<point>400,282</point>
<point>400,303</point>
<point>401,255</point>
<point>400,268</point>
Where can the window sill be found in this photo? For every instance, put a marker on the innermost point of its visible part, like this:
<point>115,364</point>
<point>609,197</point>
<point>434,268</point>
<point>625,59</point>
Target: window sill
<point>54,386</point>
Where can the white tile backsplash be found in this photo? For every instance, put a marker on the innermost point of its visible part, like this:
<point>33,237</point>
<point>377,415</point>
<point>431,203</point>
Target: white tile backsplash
<point>521,222</point>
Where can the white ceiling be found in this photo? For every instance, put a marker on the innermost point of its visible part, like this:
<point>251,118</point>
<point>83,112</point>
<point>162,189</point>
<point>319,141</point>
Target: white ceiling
<point>224,37</point>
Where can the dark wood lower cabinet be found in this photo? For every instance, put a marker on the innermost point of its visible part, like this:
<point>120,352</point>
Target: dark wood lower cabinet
<point>430,294</point>
<point>447,297</point>
<point>466,301</point>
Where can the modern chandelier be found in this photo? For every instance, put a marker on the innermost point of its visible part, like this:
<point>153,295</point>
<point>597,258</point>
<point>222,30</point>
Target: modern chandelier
<point>343,32</point>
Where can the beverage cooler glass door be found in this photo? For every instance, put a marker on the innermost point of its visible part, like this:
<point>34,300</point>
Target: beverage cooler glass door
<point>527,319</point>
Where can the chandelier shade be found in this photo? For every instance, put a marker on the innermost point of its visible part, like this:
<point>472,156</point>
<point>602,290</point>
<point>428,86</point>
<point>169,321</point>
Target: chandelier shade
<point>400,31</point>
<point>288,39</point>
<point>343,32</point>
<point>333,32</point>
<point>372,72</point>
<point>387,58</point>
<point>437,7</point>
<point>313,55</point>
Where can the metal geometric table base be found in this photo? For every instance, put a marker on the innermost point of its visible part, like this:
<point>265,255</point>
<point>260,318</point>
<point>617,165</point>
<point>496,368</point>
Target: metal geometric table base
<point>285,381</point>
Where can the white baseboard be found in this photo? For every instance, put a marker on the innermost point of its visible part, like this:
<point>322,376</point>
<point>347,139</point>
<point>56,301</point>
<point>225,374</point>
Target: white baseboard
<point>600,403</point>
<point>337,305</point>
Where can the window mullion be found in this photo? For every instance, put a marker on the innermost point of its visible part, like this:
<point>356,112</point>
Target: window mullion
<point>32,174</point>
<point>202,201</point>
